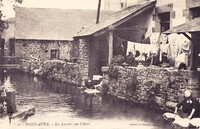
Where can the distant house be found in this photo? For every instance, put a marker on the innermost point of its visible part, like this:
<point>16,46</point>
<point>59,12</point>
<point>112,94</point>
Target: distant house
<point>43,33</point>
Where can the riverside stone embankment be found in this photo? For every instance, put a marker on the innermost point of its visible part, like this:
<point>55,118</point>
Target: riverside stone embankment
<point>154,86</point>
<point>57,70</point>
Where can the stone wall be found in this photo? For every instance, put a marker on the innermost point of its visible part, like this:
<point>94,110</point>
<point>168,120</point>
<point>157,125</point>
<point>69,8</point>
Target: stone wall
<point>34,52</point>
<point>41,49</point>
<point>154,86</point>
<point>93,54</point>
<point>192,3</point>
<point>83,59</point>
<point>94,63</point>
<point>58,70</point>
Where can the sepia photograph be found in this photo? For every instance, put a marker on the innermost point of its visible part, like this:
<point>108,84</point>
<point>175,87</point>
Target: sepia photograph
<point>99,64</point>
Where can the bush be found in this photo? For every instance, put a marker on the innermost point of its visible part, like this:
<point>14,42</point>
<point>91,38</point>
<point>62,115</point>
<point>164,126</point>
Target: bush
<point>105,88</point>
<point>131,86</point>
<point>113,72</point>
<point>119,59</point>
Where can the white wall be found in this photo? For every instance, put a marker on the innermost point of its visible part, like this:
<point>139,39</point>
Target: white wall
<point>164,2</point>
<point>178,8</point>
<point>116,4</point>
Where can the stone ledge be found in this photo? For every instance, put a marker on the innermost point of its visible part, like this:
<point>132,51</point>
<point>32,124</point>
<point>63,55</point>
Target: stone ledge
<point>161,86</point>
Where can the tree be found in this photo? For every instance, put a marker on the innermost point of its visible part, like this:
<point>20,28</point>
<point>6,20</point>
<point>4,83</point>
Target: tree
<point>6,6</point>
<point>3,24</point>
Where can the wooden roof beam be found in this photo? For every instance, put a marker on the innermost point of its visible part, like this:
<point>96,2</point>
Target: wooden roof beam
<point>137,28</point>
<point>125,19</point>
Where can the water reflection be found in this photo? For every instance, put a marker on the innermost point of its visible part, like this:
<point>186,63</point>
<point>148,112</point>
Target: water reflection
<point>56,102</point>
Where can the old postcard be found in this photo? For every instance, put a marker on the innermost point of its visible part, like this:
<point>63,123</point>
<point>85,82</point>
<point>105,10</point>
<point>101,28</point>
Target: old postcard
<point>99,64</point>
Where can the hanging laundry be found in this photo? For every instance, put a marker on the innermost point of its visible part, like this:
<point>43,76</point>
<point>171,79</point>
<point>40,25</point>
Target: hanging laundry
<point>174,46</point>
<point>181,59</point>
<point>185,46</point>
<point>163,39</point>
<point>130,47</point>
<point>179,48</point>
<point>142,48</point>
<point>154,37</point>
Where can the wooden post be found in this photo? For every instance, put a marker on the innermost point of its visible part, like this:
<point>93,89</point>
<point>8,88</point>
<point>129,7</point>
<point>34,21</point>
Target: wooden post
<point>159,50</point>
<point>2,42</point>
<point>98,11</point>
<point>190,58</point>
<point>10,99</point>
<point>194,51</point>
<point>110,44</point>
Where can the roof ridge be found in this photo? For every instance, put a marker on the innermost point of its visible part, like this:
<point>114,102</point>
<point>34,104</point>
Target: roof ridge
<point>140,6</point>
<point>21,7</point>
<point>49,24</point>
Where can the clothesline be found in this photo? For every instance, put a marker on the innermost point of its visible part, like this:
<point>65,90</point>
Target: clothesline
<point>172,48</point>
<point>133,46</point>
<point>143,48</point>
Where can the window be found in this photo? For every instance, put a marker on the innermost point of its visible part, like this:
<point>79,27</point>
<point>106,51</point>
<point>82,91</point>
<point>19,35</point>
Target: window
<point>54,54</point>
<point>122,5</point>
<point>164,21</point>
<point>195,12</point>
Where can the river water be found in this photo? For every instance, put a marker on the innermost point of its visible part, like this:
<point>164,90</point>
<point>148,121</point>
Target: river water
<point>60,105</point>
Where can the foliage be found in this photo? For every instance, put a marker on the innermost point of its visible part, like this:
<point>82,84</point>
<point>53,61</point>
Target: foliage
<point>4,5</point>
<point>130,59</point>
<point>113,72</point>
<point>3,25</point>
<point>119,59</point>
<point>131,86</point>
<point>105,88</point>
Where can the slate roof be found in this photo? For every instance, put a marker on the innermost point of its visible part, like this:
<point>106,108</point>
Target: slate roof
<point>116,19</point>
<point>190,26</point>
<point>52,24</point>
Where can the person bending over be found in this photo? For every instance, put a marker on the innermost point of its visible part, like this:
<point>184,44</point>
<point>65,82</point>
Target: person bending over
<point>190,106</point>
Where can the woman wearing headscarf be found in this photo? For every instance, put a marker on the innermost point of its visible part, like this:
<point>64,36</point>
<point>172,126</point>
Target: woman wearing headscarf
<point>190,106</point>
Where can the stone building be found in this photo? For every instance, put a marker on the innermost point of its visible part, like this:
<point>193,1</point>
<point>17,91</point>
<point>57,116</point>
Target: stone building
<point>44,33</point>
<point>157,86</point>
<point>52,33</point>
<point>170,14</point>
<point>100,42</point>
